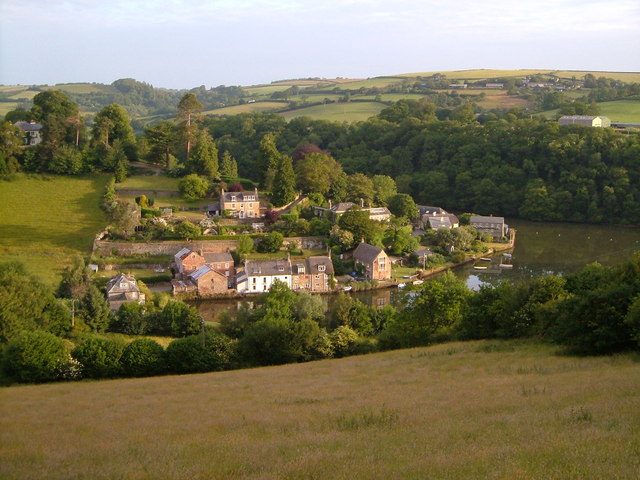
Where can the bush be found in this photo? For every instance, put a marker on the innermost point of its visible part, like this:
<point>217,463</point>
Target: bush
<point>143,357</point>
<point>187,355</point>
<point>458,257</point>
<point>100,357</point>
<point>35,356</point>
<point>344,340</point>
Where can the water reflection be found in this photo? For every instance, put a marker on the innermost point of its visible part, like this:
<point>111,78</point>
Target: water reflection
<point>541,248</point>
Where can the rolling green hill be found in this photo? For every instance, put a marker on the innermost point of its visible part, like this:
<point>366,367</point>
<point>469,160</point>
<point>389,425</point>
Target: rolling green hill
<point>477,410</point>
<point>46,220</point>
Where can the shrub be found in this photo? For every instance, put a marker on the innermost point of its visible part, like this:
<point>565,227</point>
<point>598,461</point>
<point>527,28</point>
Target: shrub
<point>100,357</point>
<point>344,340</point>
<point>187,355</point>
<point>34,356</point>
<point>143,357</point>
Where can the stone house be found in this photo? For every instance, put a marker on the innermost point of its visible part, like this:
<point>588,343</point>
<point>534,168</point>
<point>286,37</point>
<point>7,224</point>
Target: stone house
<point>209,281</point>
<point>313,274</point>
<point>187,262</point>
<point>221,263</point>
<point>492,225</point>
<point>240,204</point>
<point>31,131</point>
<point>375,261</point>
<point>123,289</point>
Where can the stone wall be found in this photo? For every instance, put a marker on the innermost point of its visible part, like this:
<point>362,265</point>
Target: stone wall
<point>172,247</point>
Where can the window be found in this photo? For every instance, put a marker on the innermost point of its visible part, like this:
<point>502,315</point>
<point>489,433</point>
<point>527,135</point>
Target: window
<point>226,265</point>
<point>233,198</point>
<point>322,268</point>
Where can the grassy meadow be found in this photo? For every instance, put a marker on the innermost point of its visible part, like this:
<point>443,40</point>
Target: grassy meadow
<point>621,110</point>
<point>477,410</point>
<point>149,182</point>
<point>338,112</point>
<point>46,220</point>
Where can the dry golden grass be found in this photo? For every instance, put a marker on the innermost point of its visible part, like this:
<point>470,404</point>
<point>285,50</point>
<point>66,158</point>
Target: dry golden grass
<point>479,410</point>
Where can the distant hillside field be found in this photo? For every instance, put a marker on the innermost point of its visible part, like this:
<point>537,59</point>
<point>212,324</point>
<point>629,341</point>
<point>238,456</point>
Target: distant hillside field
<point>621,110</point>
<point>45,221</point>
<point>248,108</point>
<point>476,410</point>
<point>338,112</point>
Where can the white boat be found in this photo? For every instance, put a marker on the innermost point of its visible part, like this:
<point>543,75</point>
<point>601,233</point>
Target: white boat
<point>418,282</point>
<point>402,285</point>
<point>505,265</point>
<point>485,259</point>
<point>478,267</point>
<point>347,288</point>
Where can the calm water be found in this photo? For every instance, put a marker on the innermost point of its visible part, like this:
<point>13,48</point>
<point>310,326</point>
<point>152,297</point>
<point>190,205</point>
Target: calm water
<point>541,248</point>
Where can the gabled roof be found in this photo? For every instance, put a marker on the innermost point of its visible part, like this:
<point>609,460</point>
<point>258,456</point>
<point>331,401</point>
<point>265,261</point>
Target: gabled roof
<point>217,257</point>
<point>315,262</point>
<point>129,282</point>
<point>342,207</point>
<point>428,210</point>
<point>240,196</point>
<point>439,221</point>
<point>267,267</point>
<point>366,253</point>
<point>485,219</point>
<point>201,272</point>
<point>181,254</point>
<point>28,126</point>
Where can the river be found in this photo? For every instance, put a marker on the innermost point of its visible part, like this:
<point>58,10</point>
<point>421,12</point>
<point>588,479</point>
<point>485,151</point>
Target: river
<point>541,248</point>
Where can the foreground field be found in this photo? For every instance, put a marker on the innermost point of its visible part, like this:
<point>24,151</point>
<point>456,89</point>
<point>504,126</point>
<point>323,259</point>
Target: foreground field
<point>46,220</point>
<point>480,410</point>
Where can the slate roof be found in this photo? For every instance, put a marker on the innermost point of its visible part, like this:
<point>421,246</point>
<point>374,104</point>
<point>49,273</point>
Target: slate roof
<point>485,219</point>
<point>213,257</point>
<point>181,254</point>
<point>200,272</point>
<point>342,206</point>
<point>113,285</point>
<point>28,126</point>
<point>427,210</point>
<point>315,262</point>
<point>267,267</point>
<point>366,253</point>
<point>240,196</point>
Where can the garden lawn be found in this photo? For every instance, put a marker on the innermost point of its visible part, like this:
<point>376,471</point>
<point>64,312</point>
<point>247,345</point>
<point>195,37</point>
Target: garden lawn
<point>46,220</point>
<point>477,410</point>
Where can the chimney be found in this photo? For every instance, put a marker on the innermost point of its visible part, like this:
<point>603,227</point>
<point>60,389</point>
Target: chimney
<point>329,204</point>
<point>256,190</point>
<point>362,203</point>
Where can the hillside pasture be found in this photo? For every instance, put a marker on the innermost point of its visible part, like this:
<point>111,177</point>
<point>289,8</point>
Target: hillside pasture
<point>82,88</point>
<point>149,182</point>
<point>265,90</point>
<point>248,108</point>
<point>480,74</point>
<point>338,112</point>
<point>628,77</point>
<point>621,110</point>
<point>481,410</point>
<point>46,220</point>
<point>6,107</point>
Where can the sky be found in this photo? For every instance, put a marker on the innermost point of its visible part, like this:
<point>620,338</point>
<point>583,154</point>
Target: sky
<point>189,43</point>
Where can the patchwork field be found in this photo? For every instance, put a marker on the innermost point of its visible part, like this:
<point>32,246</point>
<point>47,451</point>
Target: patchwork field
<point>478,410</point>
<point>338,112</point>
<point>46,220</point>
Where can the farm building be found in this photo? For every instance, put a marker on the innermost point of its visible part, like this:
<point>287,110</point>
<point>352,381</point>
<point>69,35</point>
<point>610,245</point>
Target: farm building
<point>586,120</point>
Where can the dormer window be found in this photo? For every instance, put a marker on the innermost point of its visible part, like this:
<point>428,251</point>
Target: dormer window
<point>322,268</point>
<point>233,198</point>
<point>281,268</point>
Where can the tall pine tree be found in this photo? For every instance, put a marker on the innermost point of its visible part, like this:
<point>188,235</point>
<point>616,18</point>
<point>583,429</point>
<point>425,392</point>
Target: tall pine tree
<point>284,183</point>
<point>204,159</point>
<point>228,166</point>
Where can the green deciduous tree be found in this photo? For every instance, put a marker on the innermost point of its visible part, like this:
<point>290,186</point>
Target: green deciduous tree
<point>403,205</point>
<point>193,187</point>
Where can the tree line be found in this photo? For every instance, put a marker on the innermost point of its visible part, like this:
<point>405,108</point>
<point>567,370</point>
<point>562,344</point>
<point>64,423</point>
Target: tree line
<point>593,311</point>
